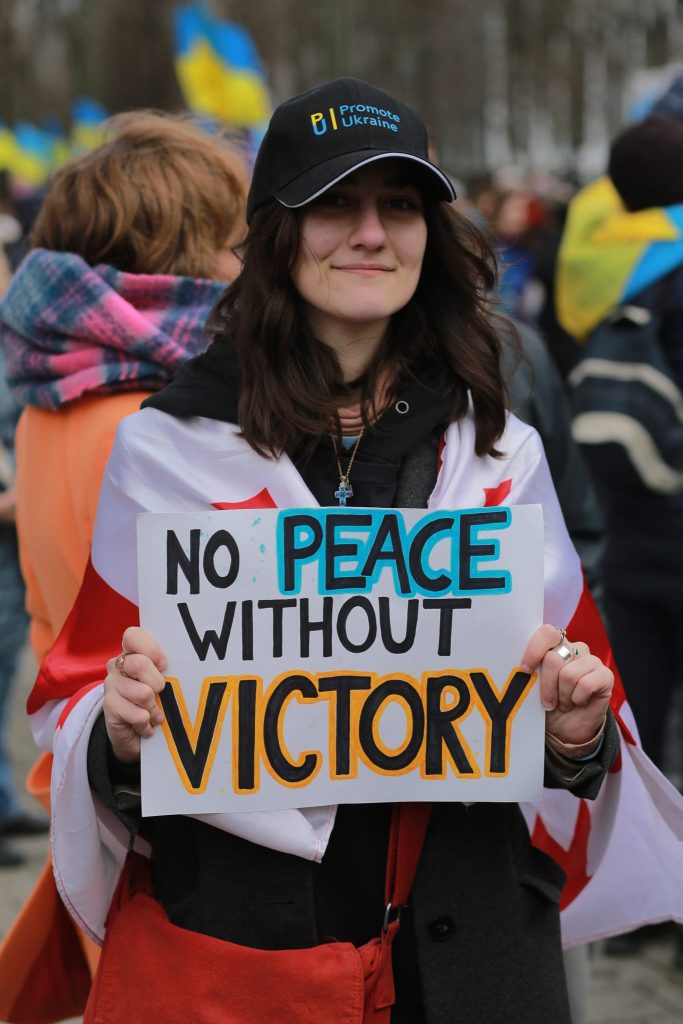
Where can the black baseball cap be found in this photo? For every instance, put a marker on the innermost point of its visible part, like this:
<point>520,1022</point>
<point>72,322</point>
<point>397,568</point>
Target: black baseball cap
<point>322,135</point>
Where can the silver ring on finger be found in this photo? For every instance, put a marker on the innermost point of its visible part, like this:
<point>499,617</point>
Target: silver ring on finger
<point>566,652</point>
<point>562,632</point>
<point>120,664</point>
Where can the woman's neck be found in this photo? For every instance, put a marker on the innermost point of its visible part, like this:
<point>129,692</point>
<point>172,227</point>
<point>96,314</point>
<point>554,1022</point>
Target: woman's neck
<point>355,344</point>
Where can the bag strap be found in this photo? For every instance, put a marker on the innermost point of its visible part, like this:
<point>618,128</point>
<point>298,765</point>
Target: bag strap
<point>409,824</point>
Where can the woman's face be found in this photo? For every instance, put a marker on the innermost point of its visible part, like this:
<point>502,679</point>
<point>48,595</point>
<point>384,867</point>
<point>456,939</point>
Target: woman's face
<point>361,250</point>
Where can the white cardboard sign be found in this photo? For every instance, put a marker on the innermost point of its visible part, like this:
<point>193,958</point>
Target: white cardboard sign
<point>323,656</point>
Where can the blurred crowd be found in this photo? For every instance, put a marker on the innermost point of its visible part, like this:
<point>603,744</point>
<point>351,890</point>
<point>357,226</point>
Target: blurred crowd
<point>525,215</point>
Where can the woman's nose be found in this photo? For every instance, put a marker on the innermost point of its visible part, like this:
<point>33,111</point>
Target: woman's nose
<point>368,230</point>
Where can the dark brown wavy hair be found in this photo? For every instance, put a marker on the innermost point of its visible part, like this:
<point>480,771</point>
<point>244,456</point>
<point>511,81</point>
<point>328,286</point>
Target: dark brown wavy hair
<point>161,196</point>
<point>291,384</point>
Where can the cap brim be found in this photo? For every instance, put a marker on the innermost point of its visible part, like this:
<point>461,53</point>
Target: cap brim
<point>322,177</point>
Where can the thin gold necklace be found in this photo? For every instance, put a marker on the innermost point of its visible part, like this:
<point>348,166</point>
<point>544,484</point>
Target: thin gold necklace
<point>345,490</point>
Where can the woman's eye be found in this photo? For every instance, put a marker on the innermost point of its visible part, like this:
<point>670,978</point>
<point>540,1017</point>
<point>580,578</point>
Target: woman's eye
<point>332,199</point>
<point>404,203</point>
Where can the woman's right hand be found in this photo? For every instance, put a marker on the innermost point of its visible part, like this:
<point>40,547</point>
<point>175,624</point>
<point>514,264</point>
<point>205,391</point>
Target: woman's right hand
<point>130,708</point>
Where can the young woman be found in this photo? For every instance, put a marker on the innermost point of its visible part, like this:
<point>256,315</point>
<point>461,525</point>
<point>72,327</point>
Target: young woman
<point>133,242</point>
<point>355,361</point>
<point>132,247</point>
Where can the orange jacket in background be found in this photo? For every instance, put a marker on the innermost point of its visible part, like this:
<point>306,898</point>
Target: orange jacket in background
<point>61,455</point>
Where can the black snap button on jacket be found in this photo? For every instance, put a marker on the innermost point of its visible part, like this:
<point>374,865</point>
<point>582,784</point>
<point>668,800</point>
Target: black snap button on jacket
<point>441,928</point>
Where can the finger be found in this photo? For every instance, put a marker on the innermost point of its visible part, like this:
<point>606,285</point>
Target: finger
<point>593,686</point>
<point>119,711</point>
<point>571,673</point>
<point>137,641</point>
<point>138,667</point>
<point>549,683</point>
<point>545,638</point>
<point>554,669</point>
<point>156,716</point>
<point>142,668</point>
<point>136,692</point>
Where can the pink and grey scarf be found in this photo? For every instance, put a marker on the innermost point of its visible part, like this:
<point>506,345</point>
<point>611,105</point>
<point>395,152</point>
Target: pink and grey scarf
<point>69,329</point>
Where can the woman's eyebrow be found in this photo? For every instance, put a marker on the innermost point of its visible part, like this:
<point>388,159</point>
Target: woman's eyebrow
<point>397,181</point>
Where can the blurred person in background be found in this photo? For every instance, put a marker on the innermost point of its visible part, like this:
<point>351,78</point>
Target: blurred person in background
<point>14,821</point>
<point>644,556</point>
<point>553,196</point>
<point>127,252</point>
<point>21,205</point>
<point>623,242</point>
<point>525,218</point>
<point>538,396</point>
<point>511,224</point>
<point>131,248</point>
<point>482,199</point>
<point>12,231</point>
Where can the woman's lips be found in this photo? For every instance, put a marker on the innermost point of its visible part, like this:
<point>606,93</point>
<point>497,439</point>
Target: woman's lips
<point>365,269</point>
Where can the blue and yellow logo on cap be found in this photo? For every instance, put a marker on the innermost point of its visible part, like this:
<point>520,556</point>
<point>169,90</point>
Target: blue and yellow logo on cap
<point>353,115</point>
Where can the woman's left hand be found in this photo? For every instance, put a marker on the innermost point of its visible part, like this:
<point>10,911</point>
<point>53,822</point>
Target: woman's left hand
<point>575,691</point>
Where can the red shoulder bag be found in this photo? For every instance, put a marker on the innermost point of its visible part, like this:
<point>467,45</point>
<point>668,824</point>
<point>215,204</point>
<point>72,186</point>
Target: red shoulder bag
<point>152,968</point>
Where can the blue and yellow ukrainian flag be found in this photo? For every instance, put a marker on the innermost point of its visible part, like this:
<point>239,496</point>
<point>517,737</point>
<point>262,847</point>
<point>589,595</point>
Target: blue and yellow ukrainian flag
<point>87,117</point>
<point>609,255</point>
<point>219,70</point>
<point>8,148</point>
<point>60,146</point>
<point>30,154</point>
<point>32,159</point>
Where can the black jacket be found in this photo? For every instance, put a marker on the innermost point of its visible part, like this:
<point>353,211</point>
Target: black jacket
<point>643,559</point>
